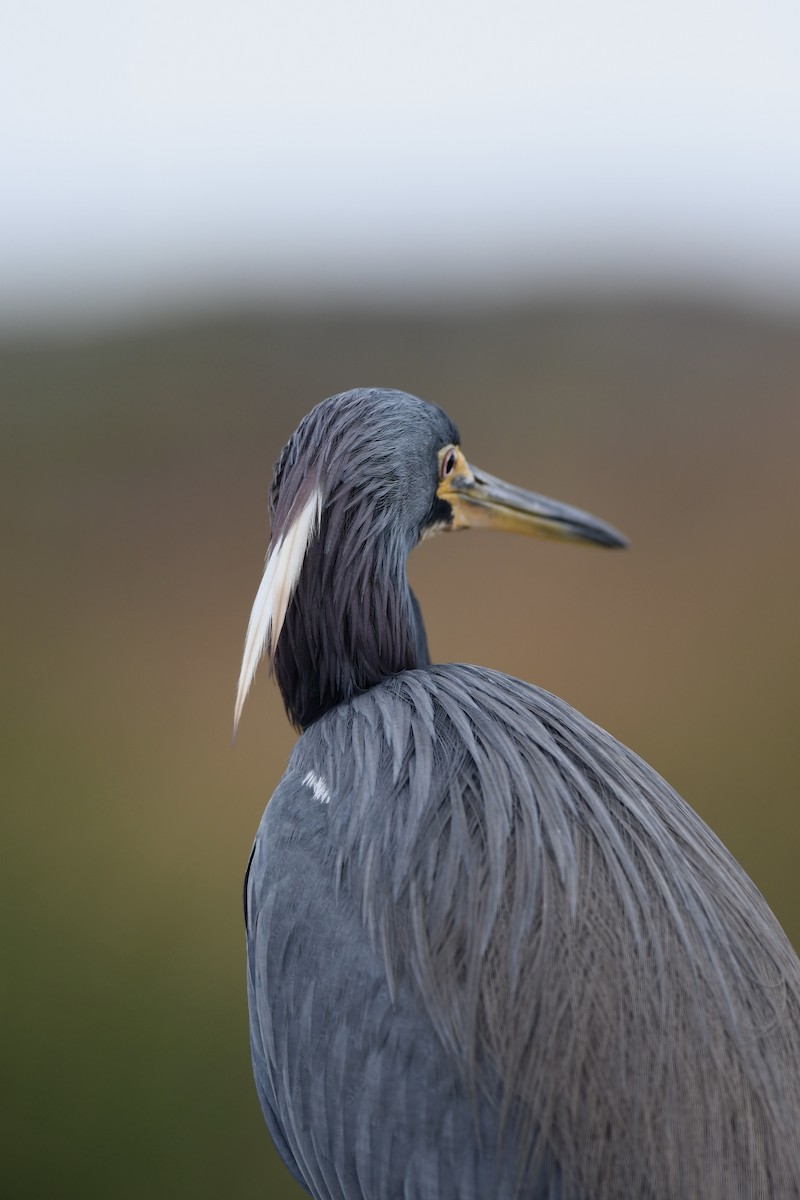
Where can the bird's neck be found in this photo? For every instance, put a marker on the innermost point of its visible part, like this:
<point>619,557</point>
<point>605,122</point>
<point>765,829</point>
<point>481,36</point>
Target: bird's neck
<point>353,622</point>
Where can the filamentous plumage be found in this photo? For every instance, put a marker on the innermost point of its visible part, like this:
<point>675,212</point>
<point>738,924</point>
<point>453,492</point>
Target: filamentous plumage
<point>491,953</point>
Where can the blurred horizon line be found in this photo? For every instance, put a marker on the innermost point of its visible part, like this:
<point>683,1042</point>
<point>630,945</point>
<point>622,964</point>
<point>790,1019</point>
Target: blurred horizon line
<point>178,306</point>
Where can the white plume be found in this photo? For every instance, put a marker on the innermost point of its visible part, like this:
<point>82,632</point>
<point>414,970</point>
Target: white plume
<point>274,593</point>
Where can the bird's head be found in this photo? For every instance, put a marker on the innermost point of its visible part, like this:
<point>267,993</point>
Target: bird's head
<point>367,475</point>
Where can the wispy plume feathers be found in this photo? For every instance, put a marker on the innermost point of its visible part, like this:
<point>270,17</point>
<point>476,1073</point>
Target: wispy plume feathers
<point>274,595</point>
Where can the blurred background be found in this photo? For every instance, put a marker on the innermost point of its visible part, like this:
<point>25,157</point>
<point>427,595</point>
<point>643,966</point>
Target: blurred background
<point>576,227</point>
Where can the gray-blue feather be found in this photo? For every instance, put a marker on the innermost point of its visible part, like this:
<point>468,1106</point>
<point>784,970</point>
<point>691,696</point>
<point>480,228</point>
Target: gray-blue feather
<point>491,954</point>
<point>487,893</point>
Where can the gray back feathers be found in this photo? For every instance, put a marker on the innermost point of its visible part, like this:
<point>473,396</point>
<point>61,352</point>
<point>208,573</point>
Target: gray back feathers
<point>490,951</point>
<point>592,958</point>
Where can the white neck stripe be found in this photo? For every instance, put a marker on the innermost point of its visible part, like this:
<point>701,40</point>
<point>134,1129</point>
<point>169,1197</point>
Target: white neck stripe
<point>274,595</point>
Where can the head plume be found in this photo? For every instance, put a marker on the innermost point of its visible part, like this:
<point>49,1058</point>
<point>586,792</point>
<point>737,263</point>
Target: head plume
<point>351,493</point>
<point>282,571</point>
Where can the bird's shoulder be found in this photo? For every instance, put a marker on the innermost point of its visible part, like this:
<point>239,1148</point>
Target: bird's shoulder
<point>554,909</point>
<point>329,998</point>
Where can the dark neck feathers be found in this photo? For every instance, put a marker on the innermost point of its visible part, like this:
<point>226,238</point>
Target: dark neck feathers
<point>353,622</point>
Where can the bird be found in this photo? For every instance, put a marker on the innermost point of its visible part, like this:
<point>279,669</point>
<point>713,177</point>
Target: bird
<point>491,953</point>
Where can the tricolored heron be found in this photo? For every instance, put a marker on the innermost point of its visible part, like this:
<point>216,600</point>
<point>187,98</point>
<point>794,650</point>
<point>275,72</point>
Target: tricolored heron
<point>490,952</point>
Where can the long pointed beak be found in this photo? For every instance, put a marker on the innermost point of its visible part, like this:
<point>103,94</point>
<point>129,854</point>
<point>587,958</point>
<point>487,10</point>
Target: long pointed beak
<point>479,500</point>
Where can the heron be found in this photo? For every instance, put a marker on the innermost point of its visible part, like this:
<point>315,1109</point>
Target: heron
<point>490,952</point>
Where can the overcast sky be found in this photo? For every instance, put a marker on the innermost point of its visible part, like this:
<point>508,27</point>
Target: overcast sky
<point>165,150</point>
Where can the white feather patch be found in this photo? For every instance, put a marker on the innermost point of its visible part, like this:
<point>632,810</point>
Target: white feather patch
<point>318,786</point>
<point>274,594</point>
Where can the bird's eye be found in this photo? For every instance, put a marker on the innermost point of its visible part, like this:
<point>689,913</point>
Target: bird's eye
<point>448,464</point>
